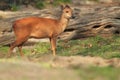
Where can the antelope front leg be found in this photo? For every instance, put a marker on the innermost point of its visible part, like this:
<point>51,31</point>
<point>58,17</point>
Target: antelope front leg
<point>20,50</point>
<point>53,45</point>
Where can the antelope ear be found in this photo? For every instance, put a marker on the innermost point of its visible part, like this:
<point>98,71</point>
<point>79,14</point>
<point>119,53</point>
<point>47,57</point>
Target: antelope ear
<point>67,6</point>
<point>62,7</point>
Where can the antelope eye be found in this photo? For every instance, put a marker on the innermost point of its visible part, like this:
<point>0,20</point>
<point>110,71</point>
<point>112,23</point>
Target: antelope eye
<point>67,11</point>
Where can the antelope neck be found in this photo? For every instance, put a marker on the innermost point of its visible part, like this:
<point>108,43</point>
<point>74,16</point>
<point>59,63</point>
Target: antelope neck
<point>63,23</point>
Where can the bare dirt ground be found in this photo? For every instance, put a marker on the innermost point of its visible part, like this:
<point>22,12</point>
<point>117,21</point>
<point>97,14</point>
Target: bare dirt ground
<point>48,67</point>
<point>73,61</point>
<point>25,70</point>
<point>17,68</point>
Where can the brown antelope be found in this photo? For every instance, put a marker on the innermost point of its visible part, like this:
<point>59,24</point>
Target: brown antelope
<point>36,27</point>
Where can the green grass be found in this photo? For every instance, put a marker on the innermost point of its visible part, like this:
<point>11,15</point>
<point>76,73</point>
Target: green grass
<point>42,47</point>
<point>94,46</point>
<point>99,73</point>
<point>4,49</point>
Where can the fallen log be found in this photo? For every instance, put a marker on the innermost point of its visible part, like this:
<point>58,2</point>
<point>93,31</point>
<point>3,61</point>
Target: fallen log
<point>104,22</point>
<point>6,40</point>
<point>90,21</point>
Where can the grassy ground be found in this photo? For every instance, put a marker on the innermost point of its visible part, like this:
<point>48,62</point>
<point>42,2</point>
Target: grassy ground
<point>94,46</point>
<point>99,73</point>
<point>40,61</point>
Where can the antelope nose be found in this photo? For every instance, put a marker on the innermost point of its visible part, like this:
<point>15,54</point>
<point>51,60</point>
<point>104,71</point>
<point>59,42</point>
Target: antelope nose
<point>72,17</point>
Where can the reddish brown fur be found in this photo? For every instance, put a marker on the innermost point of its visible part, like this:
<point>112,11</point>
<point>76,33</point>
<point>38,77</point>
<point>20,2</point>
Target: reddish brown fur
<point>40,28</point>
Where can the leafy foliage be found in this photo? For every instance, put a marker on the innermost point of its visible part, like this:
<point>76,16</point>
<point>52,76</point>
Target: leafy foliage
<point>14,7</point>
<point>40,4</point>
